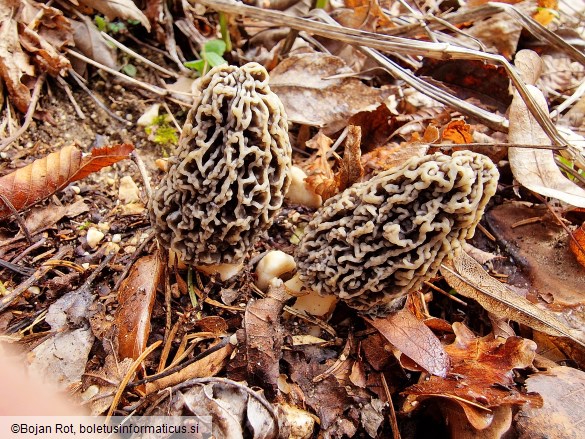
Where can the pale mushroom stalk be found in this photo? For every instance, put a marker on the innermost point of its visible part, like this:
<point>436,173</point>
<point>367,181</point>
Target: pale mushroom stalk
<point>228,178</point>
<point>380,239</point>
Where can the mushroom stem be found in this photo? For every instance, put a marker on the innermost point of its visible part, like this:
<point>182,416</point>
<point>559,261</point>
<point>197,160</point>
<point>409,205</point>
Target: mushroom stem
<point>225,271</point>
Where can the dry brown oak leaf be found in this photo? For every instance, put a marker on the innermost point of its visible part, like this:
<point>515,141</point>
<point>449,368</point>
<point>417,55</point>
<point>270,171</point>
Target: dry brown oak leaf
<point>45,176</point>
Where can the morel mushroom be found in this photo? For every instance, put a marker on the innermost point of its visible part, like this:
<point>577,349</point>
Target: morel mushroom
<point>378,240</point>
<point>231,171</point>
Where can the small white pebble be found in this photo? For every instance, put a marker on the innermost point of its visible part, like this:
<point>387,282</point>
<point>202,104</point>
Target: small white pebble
<point>94,236</point>
<point>117,237</point>
<point>103,227</point>
<point>128,192</point>
<point>130,249</point>
<point>148,116</point>
<point>85,265</point>
<point>34,290</point>
<point>75,189</point>
<point>111,247</point>
<point>129,116</point>
<point>3,155</point>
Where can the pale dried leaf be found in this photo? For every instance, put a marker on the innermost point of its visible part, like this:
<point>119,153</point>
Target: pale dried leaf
<point>499,33</point>
<point>90,42</point>
<point>469,278</point>
<point>71,348</point>
<point>261,423</point>
<point>536,168</point>
<point>226,405</point>
<point>562,415</point>
<point>311,93</point>
<point>124,9</point>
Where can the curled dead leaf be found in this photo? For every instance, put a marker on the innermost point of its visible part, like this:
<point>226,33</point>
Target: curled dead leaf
<point>136,300</point>
<point>326,184</point>
<point>536,169</point>
<point>457,131</point>
<point>45,176</point>
<point>469,279</point>
<point>413,338</point>
<point>483,368</point>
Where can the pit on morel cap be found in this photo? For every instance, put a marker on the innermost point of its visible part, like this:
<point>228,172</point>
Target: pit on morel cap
<point>379,240</point>
<point>231,169</point>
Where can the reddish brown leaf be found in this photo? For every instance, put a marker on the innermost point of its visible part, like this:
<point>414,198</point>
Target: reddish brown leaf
<point>101,157</point>
<point>350,167</point>
<point>136,300</point>
<point>376,126</point>
<point>481,375</point>
<point>45,33</point>
<point>413,338</point>
<point>42,178</point>
<point>457,131</point>
<point>577,244</point>
<point>264,338</point>
<point>318,168</point>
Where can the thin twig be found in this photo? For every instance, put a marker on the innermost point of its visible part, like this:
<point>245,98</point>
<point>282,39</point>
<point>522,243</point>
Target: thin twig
<point>174,369</point>
<point>99,103</point>
<point>29,113</point>
<point>7,300</point>
<point>138,56</point>
<point>30,248</point>
<point>392,414</point>
<point>135,365</point>
<point>69,94</point>
<point>143,173</point>
<point>152,88</point>
<point>18,218</point>
<point>17,268</point>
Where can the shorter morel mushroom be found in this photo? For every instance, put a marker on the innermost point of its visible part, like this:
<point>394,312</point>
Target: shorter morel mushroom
<point>231,171</point>
<point>380,239</point>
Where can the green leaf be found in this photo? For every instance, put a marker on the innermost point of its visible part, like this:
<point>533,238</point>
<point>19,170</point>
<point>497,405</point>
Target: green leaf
<point>198,65</point>
<point>116,27</point>
<point>130,70</point>
<point>213,59</point>
<point>101,23</point>
<point>215,46</point>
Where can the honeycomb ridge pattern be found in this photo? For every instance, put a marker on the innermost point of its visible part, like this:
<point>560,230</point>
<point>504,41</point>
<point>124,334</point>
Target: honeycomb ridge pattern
<point>380,239</point>
<point>230,172</point>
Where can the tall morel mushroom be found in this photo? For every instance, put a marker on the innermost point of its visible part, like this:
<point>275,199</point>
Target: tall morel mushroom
<point>378,240</point>
<point>228,178</point>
